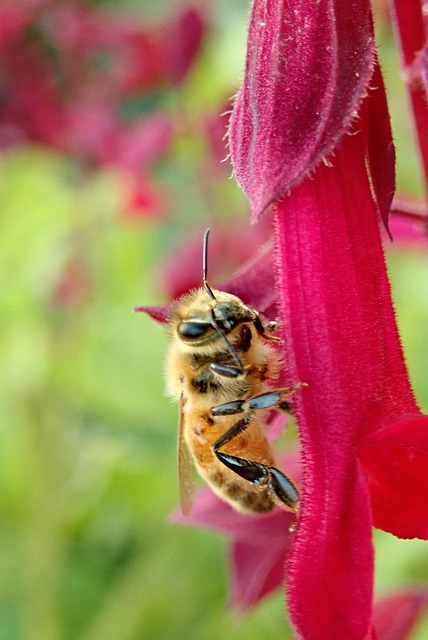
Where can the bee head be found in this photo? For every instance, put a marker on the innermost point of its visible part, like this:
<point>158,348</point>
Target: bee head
<point>207,316</point>
<point>204,318</point>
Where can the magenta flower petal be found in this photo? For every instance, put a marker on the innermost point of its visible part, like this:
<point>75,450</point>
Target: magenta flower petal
<point>260,544</point>
<point>307,69</point>
<point>160,313</point>
<point>211,512</point>
<point>396,462</point>
<point>341,338</point>
<point>256,571</point>
<point>396,615</point>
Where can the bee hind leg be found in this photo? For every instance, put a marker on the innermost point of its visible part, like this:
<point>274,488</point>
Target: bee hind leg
<point>262,476</point>
<point>257,473</point>
<point>283,488</point>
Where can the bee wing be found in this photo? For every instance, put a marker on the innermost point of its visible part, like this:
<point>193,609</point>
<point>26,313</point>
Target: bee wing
<point>185,466</point>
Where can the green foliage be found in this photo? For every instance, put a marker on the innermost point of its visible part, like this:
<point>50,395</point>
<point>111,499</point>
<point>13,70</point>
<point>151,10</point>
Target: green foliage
<point>87,438</point>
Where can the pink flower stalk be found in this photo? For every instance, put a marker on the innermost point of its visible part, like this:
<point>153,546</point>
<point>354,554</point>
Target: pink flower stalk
<point>409,222</point>
<point>411,26</point>
<point>313,90</point>
<point>312,78</point>
<point>257,566</point>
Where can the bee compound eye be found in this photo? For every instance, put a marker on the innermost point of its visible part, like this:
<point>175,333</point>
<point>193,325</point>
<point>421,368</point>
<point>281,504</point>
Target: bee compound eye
<point>193,329</point>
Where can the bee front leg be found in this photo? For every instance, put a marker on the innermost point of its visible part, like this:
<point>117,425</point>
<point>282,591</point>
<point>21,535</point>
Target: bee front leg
<point>226,370</point>
<point>266,330</point>
<point>257,473</point>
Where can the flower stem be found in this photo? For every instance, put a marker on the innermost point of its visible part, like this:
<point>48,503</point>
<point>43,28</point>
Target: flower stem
<point>410,32</point>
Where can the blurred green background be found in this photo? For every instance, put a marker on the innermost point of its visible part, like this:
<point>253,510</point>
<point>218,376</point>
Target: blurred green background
<point>87,437</point>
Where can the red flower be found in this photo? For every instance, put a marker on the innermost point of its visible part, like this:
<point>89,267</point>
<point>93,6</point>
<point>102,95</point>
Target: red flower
<point>308,70</point>
<point>164,55</point>
<point>307,67</point>
<point>143,199</point>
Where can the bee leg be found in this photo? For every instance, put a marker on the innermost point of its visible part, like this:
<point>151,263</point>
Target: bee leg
<point>225,370</point>
<point>266,330</point>
<point>228,371</point>
<point>277,398</point>
<point>262,476</point>
<point>255,472</point>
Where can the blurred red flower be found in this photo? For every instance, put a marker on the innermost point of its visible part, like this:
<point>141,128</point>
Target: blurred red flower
<point>69,73</point>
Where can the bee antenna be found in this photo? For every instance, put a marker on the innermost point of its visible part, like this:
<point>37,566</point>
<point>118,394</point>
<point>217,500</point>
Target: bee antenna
<point>204,265</point>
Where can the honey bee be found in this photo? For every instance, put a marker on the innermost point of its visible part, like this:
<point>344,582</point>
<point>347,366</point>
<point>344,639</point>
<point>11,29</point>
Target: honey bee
<point>221,365</point>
